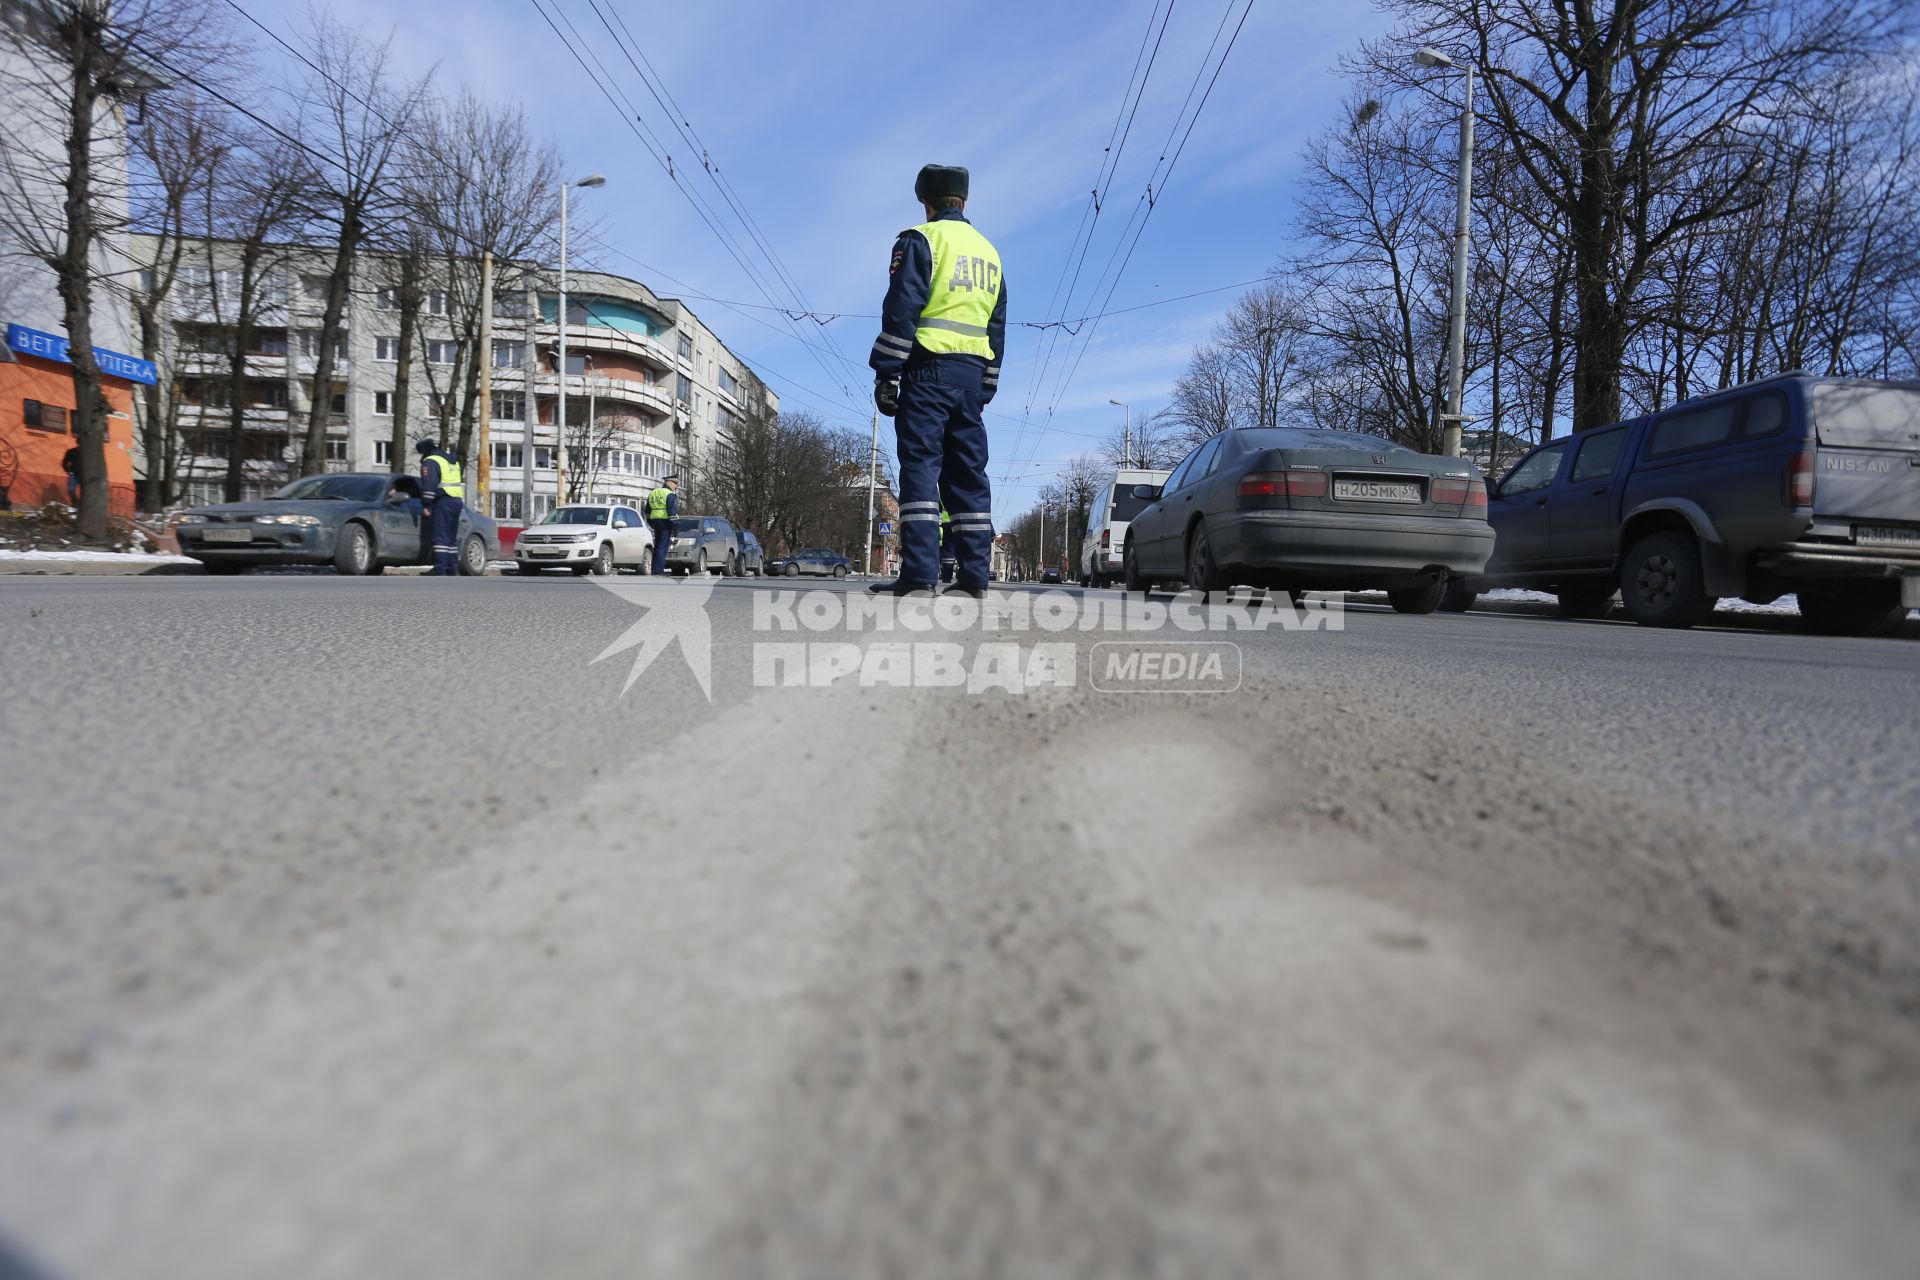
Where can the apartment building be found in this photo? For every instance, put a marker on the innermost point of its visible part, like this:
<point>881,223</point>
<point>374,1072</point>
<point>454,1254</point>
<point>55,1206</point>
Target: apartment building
<point>650,388</point>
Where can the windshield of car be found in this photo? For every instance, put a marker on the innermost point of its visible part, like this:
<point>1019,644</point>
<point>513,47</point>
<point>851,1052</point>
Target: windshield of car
<point>340,488</point>
<point>577,515</point>
<point>687,524</point>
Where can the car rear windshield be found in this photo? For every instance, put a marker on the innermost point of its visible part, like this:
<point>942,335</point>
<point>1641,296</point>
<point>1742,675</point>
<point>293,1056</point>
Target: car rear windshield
<point>577,515</point>
<point>1313,438</point>
<point>1866,416</point>
<point>321,488</point>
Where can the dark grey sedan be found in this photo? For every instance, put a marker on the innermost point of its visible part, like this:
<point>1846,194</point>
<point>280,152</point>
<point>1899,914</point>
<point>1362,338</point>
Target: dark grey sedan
<point>1309,510</point>
<point>358,522</point>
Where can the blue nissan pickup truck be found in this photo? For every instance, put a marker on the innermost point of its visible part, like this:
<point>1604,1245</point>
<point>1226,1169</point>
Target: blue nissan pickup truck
<point>1798,484</point>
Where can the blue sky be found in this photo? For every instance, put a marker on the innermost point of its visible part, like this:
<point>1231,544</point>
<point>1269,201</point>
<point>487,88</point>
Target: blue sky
<point>819,115</point>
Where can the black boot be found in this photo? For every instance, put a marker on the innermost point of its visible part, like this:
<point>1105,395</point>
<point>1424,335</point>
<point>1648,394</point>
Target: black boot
<point>978,590</point>
<point>901,587</point>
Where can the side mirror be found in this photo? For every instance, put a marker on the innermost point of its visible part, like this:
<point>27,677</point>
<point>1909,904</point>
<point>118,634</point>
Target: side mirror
<point>396,497</point>
<point>1147,492</point>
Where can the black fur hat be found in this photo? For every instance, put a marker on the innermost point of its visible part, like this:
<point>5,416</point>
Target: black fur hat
<point>937,180</point>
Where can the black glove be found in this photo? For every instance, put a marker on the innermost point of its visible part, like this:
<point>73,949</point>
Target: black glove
<point>886,396</point>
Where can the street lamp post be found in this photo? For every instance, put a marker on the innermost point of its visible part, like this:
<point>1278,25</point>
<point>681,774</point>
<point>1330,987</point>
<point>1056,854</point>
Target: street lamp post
<point>560,403</point>
<point>1126,434</point>
<point>1457,353</point>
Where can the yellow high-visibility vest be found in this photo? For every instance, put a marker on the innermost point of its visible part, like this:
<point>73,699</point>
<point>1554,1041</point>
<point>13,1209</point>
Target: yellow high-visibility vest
<point>966,288</point>
<point>449,476</point>
<point>657,503</point>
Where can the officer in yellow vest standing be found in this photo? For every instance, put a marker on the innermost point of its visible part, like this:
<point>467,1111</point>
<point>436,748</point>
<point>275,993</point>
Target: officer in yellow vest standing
<point>445,497</point>
<point>936,366</point>
<point>663,504</point>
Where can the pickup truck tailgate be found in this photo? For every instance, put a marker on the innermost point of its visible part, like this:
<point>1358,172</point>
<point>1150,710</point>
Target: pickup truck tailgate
<point>1868,466</point>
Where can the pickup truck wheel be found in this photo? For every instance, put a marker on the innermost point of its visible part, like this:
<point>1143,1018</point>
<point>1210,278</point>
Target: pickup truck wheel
<point>1661,582</point>
<point>1849,608</point>
<point>1458,597</point>
<point>1584,599</point>
<point>353,551</point>
<point>1424,599</point>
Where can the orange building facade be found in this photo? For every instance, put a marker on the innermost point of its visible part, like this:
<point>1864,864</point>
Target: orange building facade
<point>37,410</point>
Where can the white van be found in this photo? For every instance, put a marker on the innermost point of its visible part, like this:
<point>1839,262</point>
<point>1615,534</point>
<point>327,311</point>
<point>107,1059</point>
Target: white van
<point>1113,507</point>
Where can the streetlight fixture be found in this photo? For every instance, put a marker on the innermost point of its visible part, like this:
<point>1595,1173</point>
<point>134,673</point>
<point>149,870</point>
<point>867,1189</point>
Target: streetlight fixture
<point>1126,434</point>
<point>1427,56</point>
<point>560,405</point>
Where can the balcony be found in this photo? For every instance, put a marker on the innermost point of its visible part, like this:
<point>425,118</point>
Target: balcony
<point>647,395</point>
<point>593,337</point>
<point>255,417</point>
<point>211,364</point>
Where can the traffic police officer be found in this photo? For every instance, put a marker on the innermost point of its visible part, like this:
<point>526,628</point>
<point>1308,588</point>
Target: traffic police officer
<point>663,504</point>
<point>445,497</point>
<point>936,366</point>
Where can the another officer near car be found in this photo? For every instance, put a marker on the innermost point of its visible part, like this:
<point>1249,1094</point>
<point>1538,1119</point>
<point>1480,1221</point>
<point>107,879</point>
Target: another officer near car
<point>445,498</point>
<point>663,504</point>
<point>936,366</point>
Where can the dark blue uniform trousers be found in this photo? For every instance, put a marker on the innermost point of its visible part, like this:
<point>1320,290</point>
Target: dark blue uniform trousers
<point>444,518</point>
<point>943,461</point>
<point>662,539</point>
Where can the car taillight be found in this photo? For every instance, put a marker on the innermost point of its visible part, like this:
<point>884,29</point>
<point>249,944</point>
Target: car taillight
<point>1800,480</point>
<point>1284,484</point>
<point>1452,489</point>
<point>1106,539</point>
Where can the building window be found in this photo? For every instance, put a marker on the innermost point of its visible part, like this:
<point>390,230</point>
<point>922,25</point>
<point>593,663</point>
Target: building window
<point>310,345</point>
<point>506,455</point>
<point>339,402</point>
<point>383,404</point>
<point>51,418</point>
<point>543,457</point>
<point>443,351</point>
<point>510,306</point>
<point>542,505</point>
<point>686,346</point>
<point>509,406</point>
<point>509,355</point>
<point>436,404</point>
<point>315,288</point>
<point>387,349</point>
<point>383,453</point>
<point>506,505</point>
<point>728,383</point>
<point>682,387</point>
<point>274,344</point>
<point>268,395</point>
<point>336,448</point>
<point>437,302</point>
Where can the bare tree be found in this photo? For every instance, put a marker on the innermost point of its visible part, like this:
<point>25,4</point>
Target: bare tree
<point>1155,443</point>
<point>361,120</point>
<point>59,207</point>
<point>181,143</point>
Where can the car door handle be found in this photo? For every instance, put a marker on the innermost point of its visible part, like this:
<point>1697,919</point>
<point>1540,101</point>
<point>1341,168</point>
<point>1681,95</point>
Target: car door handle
<point>1539,502</point>
<point>1598,493</point>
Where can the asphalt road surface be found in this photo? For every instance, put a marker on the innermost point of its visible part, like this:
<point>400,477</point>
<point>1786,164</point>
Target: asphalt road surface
<point>370,928</point>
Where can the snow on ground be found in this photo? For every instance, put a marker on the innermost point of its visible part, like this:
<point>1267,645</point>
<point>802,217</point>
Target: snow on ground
<point>97,557</point>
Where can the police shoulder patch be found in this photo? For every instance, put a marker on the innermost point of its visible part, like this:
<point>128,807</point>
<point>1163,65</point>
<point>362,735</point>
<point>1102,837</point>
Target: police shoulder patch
<point>899,256</point>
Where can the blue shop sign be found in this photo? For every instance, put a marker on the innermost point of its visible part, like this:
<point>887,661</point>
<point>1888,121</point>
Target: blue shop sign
<point>51,346</point>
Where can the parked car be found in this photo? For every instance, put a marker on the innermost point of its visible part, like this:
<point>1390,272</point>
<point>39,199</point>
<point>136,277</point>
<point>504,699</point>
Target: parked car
<point>357,522</point>
<point>1114,507</point>
<point>753,557</point>
<point>1050,575</point>
<point>703,544</point>
<point>814,560</point>
<point>586,539</point>
<point>1796,484</point>
<point>1304,509</point>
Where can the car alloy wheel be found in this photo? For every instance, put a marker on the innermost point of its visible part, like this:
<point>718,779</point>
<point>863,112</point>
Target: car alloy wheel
<point>353,551</point>
<point>603,562</point>
<point>473,557</point>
